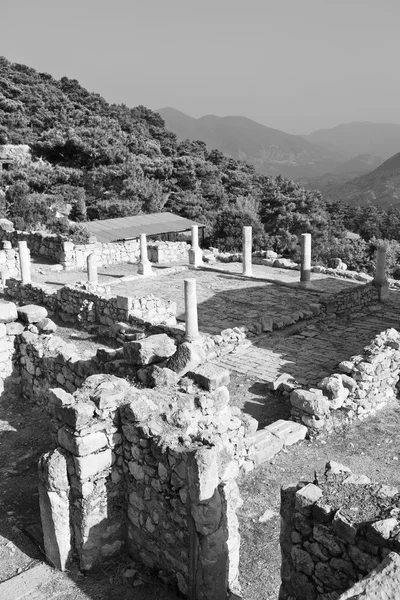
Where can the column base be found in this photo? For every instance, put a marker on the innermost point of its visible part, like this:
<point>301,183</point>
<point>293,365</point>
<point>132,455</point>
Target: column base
<point>383,289</point>
<point>196,257</point>
<point>145,268</point>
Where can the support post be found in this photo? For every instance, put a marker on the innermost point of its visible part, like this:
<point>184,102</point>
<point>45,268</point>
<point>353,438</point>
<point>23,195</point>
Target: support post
<point>195,252</point>
<point>192,327</point>
<point>92,269</point>
<point>247,251</point>
<point>305,264</point>
<point>380,280</point>
<point>144,266</point>
<point>25,262</point>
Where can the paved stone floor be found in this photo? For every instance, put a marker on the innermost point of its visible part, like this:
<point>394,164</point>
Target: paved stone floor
<point>316,350</point>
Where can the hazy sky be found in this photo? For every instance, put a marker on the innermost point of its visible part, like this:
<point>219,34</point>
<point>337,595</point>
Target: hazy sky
<point>296,65</point>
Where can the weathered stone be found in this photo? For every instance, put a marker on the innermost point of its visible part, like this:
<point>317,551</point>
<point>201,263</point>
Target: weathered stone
<point>152,349</point>
<point>380,531</point>
<point>323,535</point>
<point>31,313</point>
<point>365,562</point>
<point>47,326</point>
<point>302,561</point>
<point>207,514</point>
<point>187,357</point>
<point>313,403</point>
<point>266,445</point>
<point>210,376</point>
<point>306,498</point>
<point>81,446</point>
<point>383,583</point>
<point>92,464</point>
<point>8,312</point>
<point>344,528</point>
<point>288,431</point>
<point>162,376</point>
<point>207,472</point>
<point>333,388</point>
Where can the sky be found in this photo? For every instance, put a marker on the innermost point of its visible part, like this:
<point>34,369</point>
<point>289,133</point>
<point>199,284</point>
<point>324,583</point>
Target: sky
<point>295,65</point>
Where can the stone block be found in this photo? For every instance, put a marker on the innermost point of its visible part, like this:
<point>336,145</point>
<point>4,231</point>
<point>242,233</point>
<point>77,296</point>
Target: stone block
<point>81,446</point>
<point>313,403</point>
<point>266,445</point>
<point>380,531</point>
<point>210,376</point>
<point>307,497</point>
<point>206,473</point>
<point>8,312</point>
<point>124,302</point>
<point>344,528</point>
<point>47,326</point>
<point>288,431</point>
<point>14,328</point>
<point>93,464</point>
<point>31,313</point>
<point>152,349</point>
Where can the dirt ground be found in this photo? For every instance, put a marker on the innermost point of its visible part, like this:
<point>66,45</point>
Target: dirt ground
<point>371,447</point>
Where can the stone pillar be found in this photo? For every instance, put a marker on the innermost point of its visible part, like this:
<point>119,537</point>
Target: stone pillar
<point>195,252</point>
<point>144,266</point>
<point>247,250</point>
<point>305,265</point>
<point>92,269</point>
<point>380,280</point>
<point>25,262</point>
<point>192,328</point>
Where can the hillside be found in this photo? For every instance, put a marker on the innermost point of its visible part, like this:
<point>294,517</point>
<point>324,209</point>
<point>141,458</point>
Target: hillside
<point>355,167</point>
<point>381,187</point>
<point>271,151</point>
<point>351,139</point>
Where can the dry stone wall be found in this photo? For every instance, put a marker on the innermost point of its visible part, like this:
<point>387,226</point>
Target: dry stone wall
<point>9,330</point>
<point>150,470</point>
<point>365,384</point>
<point>89,306</point>
<point>168,252</point>
<point>47,245</point>
<point>334,532</point>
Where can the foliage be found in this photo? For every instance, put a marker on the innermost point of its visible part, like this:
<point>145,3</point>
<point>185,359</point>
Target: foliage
<point>228,226</point>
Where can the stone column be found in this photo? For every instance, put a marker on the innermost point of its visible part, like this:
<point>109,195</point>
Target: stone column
<point>192,328</point>
<point>305,265</point>
<point>25,262</point>
<point>92,269</point>
<point>195,252</point>
<point>144,266</point>
<point>247,249</point>
<point>380,280</point>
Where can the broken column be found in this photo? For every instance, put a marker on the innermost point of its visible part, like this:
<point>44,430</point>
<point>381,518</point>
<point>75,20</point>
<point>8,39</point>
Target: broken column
<point>25,262</point>
<point>92,269</point>
<point>305,265</point>
<point>380,280</point>
<point>192,328</point>
<point>247,248</point>
<point>144,266</point>
<point>195,252</point>
<point>54,508</point>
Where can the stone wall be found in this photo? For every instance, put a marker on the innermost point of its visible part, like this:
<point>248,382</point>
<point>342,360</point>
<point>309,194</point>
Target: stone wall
<point>47,245</point>
<point>334,532</point>
<point>88,305</point>
<point>74,256</point>
<point>356,296</point>
<point>149,470</point>
<point>168,252</point>
<point>9,263</point>
<point>9,329</point>
<point>366,383</point>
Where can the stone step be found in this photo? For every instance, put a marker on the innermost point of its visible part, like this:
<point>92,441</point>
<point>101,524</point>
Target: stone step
<point>288,431</point>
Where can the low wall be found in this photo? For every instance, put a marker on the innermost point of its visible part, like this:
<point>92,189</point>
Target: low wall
<point>9,330</point>
<point>366,383</point>
<point>356,296</point>
<point>168,252</point>
<point>149,470</point>
<point>334,532</point>
<point>88,306</point>
<point>74,256</point>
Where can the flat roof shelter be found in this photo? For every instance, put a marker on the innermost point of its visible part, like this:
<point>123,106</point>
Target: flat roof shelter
<point>128,228</point>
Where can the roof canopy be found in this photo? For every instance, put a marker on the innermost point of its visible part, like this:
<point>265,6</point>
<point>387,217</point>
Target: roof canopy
<point>127,228</point>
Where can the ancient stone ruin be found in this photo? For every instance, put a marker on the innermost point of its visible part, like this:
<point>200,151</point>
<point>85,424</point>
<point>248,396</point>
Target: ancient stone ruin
<point>147,448</point>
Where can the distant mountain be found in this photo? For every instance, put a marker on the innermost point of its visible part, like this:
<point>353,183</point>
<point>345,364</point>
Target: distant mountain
<point>271,151</point>
<point>380,187</point>
<point>351,139</point>
<point>359,165</point>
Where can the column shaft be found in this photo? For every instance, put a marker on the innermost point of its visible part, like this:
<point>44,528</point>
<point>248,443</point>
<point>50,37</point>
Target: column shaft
<point>25,262</point>
<point>192,328</point>
<point>247,251</point>
<point>305,266</point>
